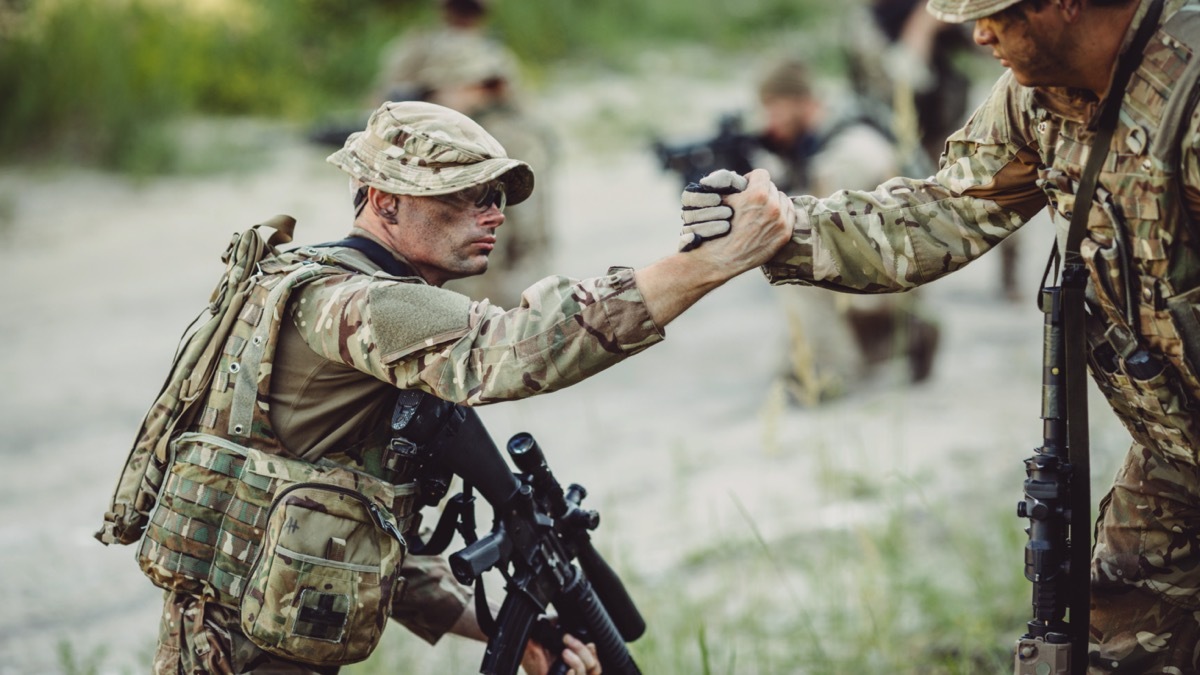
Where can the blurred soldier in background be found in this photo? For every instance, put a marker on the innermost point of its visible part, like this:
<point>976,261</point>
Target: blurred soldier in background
<point>460,67</point>
<point>814,147</point>
<point>902,58</point>
<point>407,54</point>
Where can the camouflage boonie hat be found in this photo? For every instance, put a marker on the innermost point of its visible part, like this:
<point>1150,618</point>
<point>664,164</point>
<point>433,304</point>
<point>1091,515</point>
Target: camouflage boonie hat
<point>422,149</point>
<point>961,11</point>
<point>458,60</point>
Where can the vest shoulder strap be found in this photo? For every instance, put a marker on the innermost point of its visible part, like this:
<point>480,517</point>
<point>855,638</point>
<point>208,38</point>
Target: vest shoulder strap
<point>1183,26</point>
<point>178,402</point>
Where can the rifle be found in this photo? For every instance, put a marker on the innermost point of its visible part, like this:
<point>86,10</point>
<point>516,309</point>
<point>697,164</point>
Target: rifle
<point>729,149</point>
<point>538,535</point>
<point>1047,646</point>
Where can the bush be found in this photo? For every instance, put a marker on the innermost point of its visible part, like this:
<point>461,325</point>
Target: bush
<point>97,81</point>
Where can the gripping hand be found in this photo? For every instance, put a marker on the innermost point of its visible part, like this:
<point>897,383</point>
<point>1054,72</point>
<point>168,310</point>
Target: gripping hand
<point>705,216</point>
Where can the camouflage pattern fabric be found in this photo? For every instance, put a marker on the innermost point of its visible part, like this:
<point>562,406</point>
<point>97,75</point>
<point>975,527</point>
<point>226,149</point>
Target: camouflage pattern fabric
<point>322,587</point>
<point>195,636</point>
<point>1021,151</point>
<point>417,148</point>
<point>563,332</point>
<point>1146,570</point>
<point>959,11</point>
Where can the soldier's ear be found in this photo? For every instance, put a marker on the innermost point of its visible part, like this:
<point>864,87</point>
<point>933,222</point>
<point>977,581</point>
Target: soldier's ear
<point>384,204</point>
<point>1069,9</point>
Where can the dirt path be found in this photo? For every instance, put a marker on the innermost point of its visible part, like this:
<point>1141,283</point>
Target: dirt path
<point>101,275</point>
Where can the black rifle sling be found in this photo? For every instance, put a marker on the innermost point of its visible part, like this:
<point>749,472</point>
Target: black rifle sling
<point>1074,282</point>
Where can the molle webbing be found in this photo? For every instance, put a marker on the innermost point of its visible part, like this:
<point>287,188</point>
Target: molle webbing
<point>208,524</point>
<point>205,533</point>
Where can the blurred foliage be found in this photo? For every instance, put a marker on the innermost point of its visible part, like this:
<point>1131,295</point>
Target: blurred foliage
<point>99,81</point>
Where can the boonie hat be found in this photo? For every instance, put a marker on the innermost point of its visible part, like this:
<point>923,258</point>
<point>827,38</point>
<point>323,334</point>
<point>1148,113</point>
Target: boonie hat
<point>422,149</point>
<point>961,11</point>
<point>459,60</point>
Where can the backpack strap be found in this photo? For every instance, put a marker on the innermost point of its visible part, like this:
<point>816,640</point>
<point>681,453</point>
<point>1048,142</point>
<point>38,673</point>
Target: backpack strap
<point>247,383</point>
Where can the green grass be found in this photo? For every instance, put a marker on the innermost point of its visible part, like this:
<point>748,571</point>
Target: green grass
<point>925,590</point>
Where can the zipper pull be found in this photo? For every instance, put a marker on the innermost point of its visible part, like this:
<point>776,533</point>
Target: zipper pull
<point>383,523</point>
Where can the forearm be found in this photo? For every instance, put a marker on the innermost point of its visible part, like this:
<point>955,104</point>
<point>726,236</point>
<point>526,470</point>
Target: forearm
<point>431,603</point>
<point>467,624</point>
<point>673,284</point>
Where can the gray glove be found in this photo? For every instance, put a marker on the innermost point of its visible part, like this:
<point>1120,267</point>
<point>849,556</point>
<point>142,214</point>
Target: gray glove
<point>704,216</point>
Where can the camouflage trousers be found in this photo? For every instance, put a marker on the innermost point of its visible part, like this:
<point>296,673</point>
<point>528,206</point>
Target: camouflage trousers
<point>199,637</point>
<point>1146,569</point>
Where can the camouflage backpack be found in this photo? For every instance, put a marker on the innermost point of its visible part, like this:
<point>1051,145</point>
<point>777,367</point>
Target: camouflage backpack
<point>176,407</point>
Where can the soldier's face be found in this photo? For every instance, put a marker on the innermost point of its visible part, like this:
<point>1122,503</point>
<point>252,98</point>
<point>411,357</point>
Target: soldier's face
<point>1030,40</point>
<point>786,118</point>
<point>449,237</point>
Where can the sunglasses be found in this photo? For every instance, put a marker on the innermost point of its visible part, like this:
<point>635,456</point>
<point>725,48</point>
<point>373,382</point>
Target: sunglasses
<point>479,197</point>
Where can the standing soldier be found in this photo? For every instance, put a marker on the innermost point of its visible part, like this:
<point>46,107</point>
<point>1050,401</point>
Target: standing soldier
<point>1100,99</point>
<point>472,77</point>
<point>814,146</point>
<point>405,56</point>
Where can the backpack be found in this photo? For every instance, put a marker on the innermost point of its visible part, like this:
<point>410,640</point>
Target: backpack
<point>188,380</point>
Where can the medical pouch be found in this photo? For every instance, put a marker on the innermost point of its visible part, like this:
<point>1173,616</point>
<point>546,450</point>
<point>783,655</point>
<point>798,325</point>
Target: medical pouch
<point>321,586</point>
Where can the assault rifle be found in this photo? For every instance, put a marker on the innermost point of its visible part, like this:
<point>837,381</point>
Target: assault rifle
<point>538,535</point>
<point>730,148</point>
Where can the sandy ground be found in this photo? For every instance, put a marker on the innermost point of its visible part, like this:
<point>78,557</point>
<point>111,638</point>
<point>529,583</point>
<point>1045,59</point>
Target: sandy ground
<point>101,275</point>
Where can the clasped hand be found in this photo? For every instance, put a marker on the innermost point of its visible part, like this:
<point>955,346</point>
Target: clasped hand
<point>724,201</point>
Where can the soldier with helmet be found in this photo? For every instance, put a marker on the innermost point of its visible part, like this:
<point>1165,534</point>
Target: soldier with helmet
<point>359,322</point>
<point>1099,97</point>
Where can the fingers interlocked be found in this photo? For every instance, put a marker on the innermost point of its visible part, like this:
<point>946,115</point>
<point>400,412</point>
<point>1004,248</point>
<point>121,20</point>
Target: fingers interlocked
<point>705,215</point>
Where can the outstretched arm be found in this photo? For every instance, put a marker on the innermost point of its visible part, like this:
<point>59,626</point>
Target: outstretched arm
<point>761,225</point>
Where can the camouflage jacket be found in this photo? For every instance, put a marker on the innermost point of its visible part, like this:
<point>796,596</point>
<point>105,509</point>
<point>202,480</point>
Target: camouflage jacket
<point>1021,151</point>
<point>348,340</point>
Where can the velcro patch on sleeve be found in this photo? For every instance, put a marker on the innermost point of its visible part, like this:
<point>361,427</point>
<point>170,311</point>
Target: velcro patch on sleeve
<point>407,317</point>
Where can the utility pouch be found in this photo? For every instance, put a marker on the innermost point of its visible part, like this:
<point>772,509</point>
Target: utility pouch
<point>320,590</point>
<point>1185,310</point>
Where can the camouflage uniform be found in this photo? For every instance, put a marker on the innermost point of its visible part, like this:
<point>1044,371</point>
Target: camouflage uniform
<point>1021,151</point>
<point>349,337</point>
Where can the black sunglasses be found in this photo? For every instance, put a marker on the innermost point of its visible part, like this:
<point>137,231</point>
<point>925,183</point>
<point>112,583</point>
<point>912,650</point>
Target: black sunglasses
<point>482,197</point>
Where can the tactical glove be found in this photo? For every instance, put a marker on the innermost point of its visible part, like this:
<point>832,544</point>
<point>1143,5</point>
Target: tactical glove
<point>704,216</point>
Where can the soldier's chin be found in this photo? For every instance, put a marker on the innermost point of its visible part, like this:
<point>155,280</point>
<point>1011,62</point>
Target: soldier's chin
<point>480,266</point>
